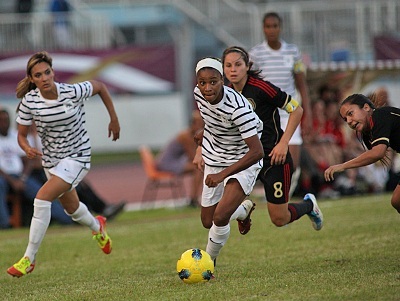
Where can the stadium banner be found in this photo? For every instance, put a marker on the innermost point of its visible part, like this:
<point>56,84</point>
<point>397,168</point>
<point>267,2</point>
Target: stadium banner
<point>130,70</point>
<point>387,47</point>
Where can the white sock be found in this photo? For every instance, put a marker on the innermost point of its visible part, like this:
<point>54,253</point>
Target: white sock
<point>39,224</point>
<point>240,213</point>
<point>217,237</point>
<point>84,217</point>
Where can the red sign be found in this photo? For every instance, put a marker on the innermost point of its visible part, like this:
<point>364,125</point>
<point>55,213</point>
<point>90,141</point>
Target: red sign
<point>139,70</point>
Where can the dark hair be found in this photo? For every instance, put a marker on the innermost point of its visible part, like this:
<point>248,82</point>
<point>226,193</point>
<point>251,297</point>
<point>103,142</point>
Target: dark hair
<point>4,111</point>
<point>210,57</point>
<point>359,100</point>
<point>245,56</point>
<point>272,15</point>
<point>323,88</point>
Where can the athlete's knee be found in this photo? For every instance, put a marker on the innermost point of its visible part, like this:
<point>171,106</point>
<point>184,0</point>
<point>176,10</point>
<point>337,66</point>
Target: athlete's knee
<point>396,204</point>
<point>279,221</point>
<point>206,220</point>
<point>206,224</point>
<point>220,219</point>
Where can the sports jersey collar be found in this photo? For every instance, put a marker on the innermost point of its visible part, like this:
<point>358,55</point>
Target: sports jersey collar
<point>58,92</point>
<point>283,46</point>
<point>371,122</point>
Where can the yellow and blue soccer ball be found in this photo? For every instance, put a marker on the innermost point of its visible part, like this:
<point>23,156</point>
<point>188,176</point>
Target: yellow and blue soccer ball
<point>195,265</point>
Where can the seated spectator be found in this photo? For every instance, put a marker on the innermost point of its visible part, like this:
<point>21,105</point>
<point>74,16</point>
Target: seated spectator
<point>326,93</point>
<point>62,28</point>
<point>326,142</point>
<point>85,193</point>
<point>324,146</point>
<point>97,204</point>
<point>24,6</point>
<point>177,157</point>
<point>15,174</point>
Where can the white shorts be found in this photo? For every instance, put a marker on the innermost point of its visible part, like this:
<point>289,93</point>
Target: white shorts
<point>296,138</point>
<point>70,170</point>
<point>246,178</point>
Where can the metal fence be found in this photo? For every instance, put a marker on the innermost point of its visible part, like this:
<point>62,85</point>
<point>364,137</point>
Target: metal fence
<point>320,28</point>
<point>44,30</point>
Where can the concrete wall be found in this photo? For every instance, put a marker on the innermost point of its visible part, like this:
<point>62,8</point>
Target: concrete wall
<point>151,120</point>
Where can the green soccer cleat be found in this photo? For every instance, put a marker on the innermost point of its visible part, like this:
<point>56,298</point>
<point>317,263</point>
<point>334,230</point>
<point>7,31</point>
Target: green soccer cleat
<point>21,268</point>
<point>102,237</point>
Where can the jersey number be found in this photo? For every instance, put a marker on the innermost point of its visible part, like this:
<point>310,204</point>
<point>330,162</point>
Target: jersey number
<point>278,190</point>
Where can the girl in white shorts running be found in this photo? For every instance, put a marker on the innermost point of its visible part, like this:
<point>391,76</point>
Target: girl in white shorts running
<point>230,152</point>
<point>57,109</point>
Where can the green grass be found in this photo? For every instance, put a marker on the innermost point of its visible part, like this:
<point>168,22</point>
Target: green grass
<point>354,257</point>
<point>117,157</point>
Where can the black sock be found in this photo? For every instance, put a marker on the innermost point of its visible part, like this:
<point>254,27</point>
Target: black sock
<point>297,210</point>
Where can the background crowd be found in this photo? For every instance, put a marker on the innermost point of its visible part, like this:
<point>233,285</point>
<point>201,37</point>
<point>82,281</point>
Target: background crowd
<point>331,142</point>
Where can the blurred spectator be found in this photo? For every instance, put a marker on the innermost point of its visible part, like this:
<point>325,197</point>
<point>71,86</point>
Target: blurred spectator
<point>97,204</point>
<point>24,6</point>
<point>394,173</point>
<point>333,125</point>
<point>324,145</point>
<point>177,157</point>
<point>326,93</point>
<point>326,141</point>
<point>15,175</point>
<point>61,10</point>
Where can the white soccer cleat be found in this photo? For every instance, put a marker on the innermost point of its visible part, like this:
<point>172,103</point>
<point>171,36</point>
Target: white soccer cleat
<point>316,216</point>
<point>245,225</point>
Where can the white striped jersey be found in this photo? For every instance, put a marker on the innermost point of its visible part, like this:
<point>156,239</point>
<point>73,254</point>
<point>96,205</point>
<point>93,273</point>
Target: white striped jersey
<point>60,123</point>
<point>227,123</point>
<point>278,66</point>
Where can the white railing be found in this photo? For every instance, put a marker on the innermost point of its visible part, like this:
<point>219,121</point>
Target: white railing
<point>43,30</point>
<point>318,27</point>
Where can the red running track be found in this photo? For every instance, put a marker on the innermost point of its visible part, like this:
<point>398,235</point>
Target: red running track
<point>126,181</point>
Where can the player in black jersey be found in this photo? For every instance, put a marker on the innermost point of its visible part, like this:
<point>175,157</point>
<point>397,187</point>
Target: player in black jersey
<point>277,171</point>
<point>377,129</point>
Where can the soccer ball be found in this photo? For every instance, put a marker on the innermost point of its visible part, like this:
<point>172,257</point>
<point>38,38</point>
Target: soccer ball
<point>195,265</point>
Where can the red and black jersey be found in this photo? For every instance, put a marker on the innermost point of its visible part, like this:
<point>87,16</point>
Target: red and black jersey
<point>266,98</point>
<point>385,128</point>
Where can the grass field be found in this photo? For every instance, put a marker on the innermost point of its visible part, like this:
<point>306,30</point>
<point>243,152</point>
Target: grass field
<point>354,257</point>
